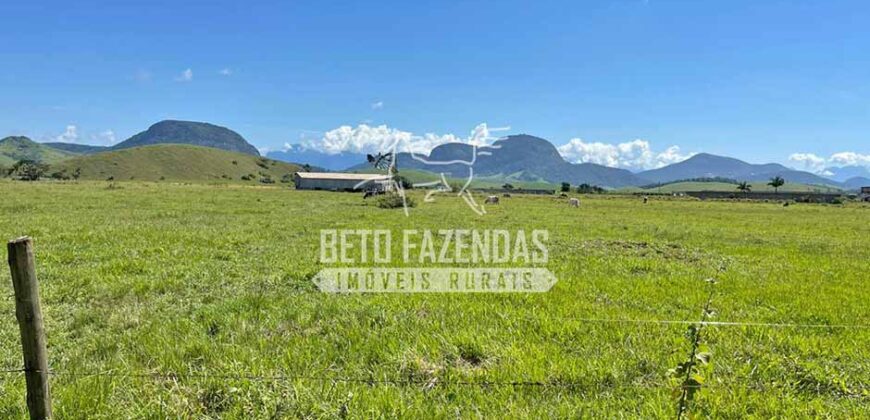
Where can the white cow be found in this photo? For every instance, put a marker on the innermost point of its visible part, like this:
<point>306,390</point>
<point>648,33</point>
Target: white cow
<point>574,202</point>
<point>493,199</point>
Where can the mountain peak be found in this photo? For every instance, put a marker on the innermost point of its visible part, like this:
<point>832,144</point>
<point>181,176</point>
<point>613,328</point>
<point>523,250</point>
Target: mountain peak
<point>190,132</point>
<point>16,140</point>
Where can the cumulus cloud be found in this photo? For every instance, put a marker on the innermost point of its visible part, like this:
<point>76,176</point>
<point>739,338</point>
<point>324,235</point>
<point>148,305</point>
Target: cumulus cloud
<point>633,155</point>
<point>185,76</point>
<point>378,105</point>
<point>850,159</point>
<point>809,162</point>
<point>372,139</point>
<point>817,164</point>
<point>70,135</point>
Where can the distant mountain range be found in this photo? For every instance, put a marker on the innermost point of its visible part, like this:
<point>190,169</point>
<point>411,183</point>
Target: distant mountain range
<point>845,173</point>
<point>515,158</point>
<point>704,165</point>
<point>522,158</point>
<point>79,149</point>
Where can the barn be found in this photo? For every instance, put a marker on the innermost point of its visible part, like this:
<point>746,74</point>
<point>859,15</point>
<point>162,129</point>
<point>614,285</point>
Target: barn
<point>338,181</point>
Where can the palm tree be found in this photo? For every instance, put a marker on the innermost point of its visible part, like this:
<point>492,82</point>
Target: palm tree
<point>776,182</point>
<point>745,187</point>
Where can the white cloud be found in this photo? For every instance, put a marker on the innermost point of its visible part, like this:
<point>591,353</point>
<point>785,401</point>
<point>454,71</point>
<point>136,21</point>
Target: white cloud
<point>106,137</point>
<point>849,159</point>
<point>808,162</point>
<point>372,139</point>
<point>185,76</point>
<point>224,72</point>
<point>378,105</point>
<point>817,164</point>
<point>633,155</point>
<point>70,135</point>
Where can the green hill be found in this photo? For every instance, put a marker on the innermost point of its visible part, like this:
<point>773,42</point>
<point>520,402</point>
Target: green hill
<point>175,162</point>
<point>13,149</point>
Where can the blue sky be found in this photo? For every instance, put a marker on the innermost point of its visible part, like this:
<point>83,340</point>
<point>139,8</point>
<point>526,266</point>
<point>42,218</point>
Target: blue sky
<point>757,80</point>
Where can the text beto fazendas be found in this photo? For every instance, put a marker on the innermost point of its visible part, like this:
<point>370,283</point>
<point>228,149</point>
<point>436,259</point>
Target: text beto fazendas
<point>444,246</point>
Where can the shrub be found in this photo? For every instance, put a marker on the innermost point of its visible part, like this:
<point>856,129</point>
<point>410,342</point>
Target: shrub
<point>60,175</point>
<point>589,189</point>
<point>404,182</point>
<point>286,178</point>
<point>566,187</point>
<point>28,170</point>
<point>267,180</point>
<point>393,201</point>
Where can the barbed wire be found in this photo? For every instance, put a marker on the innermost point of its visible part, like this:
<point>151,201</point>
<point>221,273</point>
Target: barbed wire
<point>717,323</point>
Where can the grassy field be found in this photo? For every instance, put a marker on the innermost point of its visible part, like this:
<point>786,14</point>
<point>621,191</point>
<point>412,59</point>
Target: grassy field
<point>195,301</point>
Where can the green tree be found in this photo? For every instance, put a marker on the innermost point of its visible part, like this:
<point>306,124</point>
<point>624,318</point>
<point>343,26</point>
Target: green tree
<point>566,186</point>
<point>507,186</point>
<point>776,182</point>
<point>745,187</point>
<point>28,170</point>
<point>589,189</point>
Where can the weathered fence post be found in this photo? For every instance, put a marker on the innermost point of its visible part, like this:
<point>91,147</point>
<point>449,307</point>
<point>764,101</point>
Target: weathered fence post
<point>29,316</point>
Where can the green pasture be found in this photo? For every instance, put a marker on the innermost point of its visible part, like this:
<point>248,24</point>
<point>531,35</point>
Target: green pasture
<point>168,300</point>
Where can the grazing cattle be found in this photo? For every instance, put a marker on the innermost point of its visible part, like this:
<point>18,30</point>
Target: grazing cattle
<point>574,202</point>
<point>645,199</point>
<point>506,195</point>
<point>563,195</point>
<point>493,199</point>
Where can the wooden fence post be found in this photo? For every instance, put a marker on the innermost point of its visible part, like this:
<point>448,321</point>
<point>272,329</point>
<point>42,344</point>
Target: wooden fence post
<point>29,316</point>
